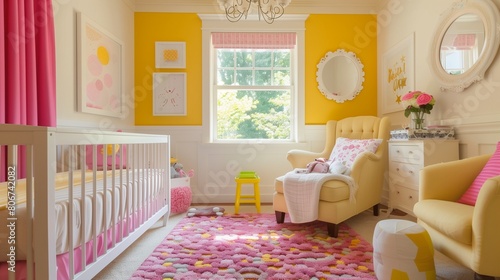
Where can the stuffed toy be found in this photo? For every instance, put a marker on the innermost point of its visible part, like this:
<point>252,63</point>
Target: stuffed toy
<point>178,168</point>
<point>177,171</point>
<point>207,211</point>
<point>173,173</point>
<point>319,165</point>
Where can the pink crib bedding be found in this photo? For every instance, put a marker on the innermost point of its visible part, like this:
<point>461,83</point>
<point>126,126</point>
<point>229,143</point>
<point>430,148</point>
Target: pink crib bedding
<point>63,271</point>
<point>82,231</point>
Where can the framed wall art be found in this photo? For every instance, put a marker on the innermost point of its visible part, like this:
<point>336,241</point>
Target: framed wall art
<point>100,69</point>
<point>170,55</point>
<point>398,70</point>
<point>169,94</point>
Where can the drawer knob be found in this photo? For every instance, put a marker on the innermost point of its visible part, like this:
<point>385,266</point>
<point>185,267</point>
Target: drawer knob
<point>411,196</point>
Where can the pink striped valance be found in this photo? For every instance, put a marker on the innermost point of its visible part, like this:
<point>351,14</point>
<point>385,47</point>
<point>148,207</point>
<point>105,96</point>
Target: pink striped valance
<point>459,41</point>
<point>254,40</point>
<point>465,41</point>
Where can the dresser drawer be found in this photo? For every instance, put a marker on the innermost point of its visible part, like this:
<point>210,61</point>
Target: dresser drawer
<point>405,174</point>
<point>406,153</point>
<point>405,199</point>
<point>406,159</point>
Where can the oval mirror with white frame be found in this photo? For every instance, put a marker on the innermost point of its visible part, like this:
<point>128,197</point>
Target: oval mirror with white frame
<point>465,44</point>
<point>340,75</point>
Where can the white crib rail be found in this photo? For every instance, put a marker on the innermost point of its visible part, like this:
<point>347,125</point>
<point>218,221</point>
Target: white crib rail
<point>137,207</point>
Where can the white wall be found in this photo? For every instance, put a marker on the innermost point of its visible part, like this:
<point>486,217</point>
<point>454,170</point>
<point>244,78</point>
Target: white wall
<point>117,18</point>
<point>474,112</point>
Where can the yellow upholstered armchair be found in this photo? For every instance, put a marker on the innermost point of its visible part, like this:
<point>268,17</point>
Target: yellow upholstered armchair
<point>466,234</point>
<point>335,205</point>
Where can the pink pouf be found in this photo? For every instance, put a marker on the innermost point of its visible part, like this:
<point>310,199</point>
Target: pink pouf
<point>180,199</point>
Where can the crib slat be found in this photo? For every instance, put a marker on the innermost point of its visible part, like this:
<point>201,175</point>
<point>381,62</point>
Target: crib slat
<point>70,215</point>
<point>113,204</point>
<point>139,187</point>
<point>94,203</point>
<point>122,192</point>
<point>147,181</point>
<point>29,208</point>
<point>128,203</point>
<point>83,190</point>
<point>144,186</point>
<point>166,182</point>
<point>134,188</point>
<point>104,153</point>
<point>12,161</point>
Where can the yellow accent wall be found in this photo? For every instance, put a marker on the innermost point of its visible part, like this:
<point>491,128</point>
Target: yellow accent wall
<point>356,33</point>
<point>175,27</point>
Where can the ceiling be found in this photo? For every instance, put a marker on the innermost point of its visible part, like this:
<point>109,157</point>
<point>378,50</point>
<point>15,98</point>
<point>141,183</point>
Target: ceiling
<point>295,7</point>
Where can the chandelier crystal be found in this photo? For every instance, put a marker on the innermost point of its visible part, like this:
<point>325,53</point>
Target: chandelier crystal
<point>269,10</point>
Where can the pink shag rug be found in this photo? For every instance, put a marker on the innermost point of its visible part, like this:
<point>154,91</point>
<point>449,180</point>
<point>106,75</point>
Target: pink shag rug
<point>254,246</point>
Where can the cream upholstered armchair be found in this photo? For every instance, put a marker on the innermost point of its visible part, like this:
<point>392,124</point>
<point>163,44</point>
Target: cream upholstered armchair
<point>367,172</point>
<point>466,234</point>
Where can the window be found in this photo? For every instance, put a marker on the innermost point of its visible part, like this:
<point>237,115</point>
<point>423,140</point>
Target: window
<point>253,85</point>
<point>459,52</point>
<point>253,80</point>
<point>456,62</point>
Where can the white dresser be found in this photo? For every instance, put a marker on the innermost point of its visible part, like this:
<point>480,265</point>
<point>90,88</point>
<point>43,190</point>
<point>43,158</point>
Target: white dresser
<point>406,158</point>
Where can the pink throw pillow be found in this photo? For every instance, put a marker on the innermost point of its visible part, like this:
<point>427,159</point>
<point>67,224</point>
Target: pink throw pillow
<point>346,150</point>
<point>491,169</point>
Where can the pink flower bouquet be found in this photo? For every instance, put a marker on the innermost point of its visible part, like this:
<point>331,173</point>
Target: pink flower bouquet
<point>418,103</point>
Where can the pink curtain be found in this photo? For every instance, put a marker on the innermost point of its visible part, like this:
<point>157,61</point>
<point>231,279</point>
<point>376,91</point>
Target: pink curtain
<point>27,67</point>
<point>27,63</point>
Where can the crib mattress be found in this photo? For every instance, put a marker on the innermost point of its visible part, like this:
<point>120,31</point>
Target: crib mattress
<point>116,203</point>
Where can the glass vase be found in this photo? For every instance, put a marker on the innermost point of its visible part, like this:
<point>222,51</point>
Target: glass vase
<point>418,121</point>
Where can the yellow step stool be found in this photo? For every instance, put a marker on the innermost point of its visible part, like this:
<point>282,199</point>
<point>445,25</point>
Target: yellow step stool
<point>247,177</point>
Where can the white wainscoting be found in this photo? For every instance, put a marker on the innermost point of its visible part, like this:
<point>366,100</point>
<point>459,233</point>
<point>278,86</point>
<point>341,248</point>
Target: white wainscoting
<point>215,165</point>
<point>478,139</point>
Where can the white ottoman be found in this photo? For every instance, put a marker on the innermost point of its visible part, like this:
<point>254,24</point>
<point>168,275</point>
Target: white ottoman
<point>402,250</point>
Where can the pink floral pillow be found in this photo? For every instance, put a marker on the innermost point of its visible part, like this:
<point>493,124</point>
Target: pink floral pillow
<point>346,150</point>
<point>491,169</point>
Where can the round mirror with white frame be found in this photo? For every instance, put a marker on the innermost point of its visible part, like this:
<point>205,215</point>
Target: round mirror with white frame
<point>465,44</point>
<point>340,75</point>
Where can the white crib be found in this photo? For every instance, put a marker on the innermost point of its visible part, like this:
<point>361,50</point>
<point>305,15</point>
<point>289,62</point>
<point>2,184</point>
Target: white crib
<point>85,197</point>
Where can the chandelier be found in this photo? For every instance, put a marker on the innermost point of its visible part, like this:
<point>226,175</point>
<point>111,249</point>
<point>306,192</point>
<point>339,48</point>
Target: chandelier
<point>269,10</point>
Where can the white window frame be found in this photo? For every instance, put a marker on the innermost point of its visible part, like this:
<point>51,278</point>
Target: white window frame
<point>218,23</point>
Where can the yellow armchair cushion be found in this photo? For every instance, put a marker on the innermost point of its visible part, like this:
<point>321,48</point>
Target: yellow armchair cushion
<point>331,191</point>
<point>456,224</point>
